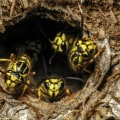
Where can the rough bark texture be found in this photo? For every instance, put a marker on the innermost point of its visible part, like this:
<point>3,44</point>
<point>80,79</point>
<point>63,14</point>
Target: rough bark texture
<point>99,99</point>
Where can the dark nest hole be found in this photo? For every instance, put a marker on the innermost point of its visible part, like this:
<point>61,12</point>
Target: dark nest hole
<point>31,36</point>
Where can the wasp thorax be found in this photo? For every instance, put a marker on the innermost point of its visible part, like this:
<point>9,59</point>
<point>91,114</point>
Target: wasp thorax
<point>60,43</point>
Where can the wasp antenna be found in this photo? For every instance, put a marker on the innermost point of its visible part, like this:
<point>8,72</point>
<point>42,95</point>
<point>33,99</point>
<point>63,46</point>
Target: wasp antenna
<point>75,78</point>
<point>5,60</point>
<point>39,26</point>
<point>3,72</point>
<point>82,20</point>
<point>50,41</point>
<point>50,60</point>
<point>44,64</point>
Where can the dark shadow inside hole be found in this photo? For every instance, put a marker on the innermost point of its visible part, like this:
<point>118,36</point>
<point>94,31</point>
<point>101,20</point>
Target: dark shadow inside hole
<point>37,31</point>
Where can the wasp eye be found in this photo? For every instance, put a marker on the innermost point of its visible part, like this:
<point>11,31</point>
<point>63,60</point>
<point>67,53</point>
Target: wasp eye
<point>76,53</point>
<point>77,43</point>
<point>47,85</point>
<point>85,55</point>
<point>10,71</point>
<point>63,43</point>
<point>21,78</point>
<point>61,86</point>
<point>63,46</point>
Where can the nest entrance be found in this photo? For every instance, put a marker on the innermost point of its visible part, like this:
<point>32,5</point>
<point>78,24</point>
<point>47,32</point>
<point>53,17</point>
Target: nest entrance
<point>31,36</point>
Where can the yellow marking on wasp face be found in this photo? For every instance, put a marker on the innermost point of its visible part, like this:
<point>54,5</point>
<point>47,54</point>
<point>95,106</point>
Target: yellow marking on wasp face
<point>14,77</point>
<point>8,74</point>
<point>91,47</point>
<point>56,93</point>
<point>79,42</point>
<point>89,42</point>
<point>84,47</point>
<point>51,93</point>
<point>85,53</point>
<point>63,37</point>
<point>58,40</point>
<point>8,82</point>
<point>54,86</point>
<point>12,85</point>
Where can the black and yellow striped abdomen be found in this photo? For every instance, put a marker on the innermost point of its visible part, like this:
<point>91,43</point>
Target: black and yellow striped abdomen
<point>81,53</point>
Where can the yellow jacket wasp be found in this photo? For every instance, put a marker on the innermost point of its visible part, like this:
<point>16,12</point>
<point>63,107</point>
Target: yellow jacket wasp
<point>52,89</point>
<point>81,51</point>
<point>17,74</point>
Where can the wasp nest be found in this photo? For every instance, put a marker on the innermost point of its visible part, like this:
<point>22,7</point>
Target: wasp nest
<point>28,27</point>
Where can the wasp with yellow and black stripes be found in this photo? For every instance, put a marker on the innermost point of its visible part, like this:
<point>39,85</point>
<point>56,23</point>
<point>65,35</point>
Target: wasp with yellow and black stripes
<point>81,51</point>
<point>52,89</point>
<point>17,74</point>
<point>53,86</point>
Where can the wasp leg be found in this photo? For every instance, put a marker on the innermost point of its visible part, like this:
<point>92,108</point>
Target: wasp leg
<point>39,94</point>
<point>25,88</point>
<point>85,70</point>
<point>97,54</point>
<point>67,91</point>
<point>32,73</point>
<point>12,57</point>
<point>5,60</point>
<point>50,60</point>
<point>91,60</point>
<point>74,78</point>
